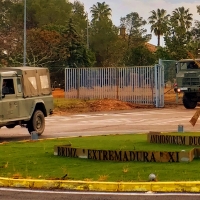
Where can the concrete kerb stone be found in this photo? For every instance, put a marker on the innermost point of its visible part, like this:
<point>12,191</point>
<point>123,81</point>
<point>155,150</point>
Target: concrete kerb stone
<point>183,186</point>
<point>192,187</point>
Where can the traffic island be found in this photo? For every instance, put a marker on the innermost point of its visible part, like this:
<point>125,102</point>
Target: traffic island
<point>139,156</point>
<point>103,163</point>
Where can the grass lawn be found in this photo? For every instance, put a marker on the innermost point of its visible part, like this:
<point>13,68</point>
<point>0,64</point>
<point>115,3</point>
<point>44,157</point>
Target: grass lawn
<point>36,160</point>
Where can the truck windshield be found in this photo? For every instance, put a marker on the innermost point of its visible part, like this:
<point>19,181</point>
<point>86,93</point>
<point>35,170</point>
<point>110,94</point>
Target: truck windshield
<point>182,66</point>
<point>187,65</point>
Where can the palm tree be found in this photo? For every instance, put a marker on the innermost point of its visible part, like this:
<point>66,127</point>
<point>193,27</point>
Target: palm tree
<point>100,11</point>
<point>182,18</point>
<point>159,22</point>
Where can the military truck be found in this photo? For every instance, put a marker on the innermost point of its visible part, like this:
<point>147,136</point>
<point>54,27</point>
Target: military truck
<point>188,81</point>
<point>25,98</point>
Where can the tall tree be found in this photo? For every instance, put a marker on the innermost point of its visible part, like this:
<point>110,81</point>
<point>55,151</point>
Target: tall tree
<point>178,36</point>
<point>176,42</point>
<point>141,56</point>
<point>4,11</point>
<point>46,12</point>
<point>159,22</point>
<point>194,44</point>
<point>100,11</point>
<point>136,36</point>
<point>134,25</point>
<point>103,37</point>
<point>103,34</point>
<point>80,20</point>
<point>11,27</point>
<point>163,53</point>
<point>182,18</point>
<point>43,48</point>
<point>78,55</point>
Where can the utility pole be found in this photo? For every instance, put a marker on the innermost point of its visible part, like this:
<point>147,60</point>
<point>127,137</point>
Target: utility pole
<point>87,31</point>
<point>24,62</point>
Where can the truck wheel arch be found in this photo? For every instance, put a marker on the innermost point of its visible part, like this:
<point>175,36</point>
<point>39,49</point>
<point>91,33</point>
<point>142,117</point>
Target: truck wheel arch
<point>40,106</point>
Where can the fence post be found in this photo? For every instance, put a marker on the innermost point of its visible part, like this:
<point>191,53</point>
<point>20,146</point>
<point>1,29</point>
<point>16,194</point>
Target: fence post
<point>159,84</point>
<point>78,82</point>
<point>65,83</point>
<point>152,83</point>
<point>156,84</point>
<point>117,82</point>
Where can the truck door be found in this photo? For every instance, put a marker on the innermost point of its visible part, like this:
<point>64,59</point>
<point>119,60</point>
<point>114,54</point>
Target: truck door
<point>25,105</point>
<point>10,104</point>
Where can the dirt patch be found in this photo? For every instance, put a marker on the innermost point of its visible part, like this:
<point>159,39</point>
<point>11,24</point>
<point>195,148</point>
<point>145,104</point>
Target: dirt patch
<point>113,104</point>
<point>63,106</point>
<point>58,93</point>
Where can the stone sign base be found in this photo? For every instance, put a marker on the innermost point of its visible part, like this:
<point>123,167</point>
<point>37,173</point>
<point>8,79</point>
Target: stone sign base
<point>142,156</point>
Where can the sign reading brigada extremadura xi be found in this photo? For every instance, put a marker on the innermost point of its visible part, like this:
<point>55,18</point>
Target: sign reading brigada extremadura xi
<point>173,139</point>
<point>139,156</point>
<point>124,156</point>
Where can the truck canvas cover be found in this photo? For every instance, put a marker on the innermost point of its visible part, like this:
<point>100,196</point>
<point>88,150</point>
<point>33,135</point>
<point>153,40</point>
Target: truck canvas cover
<point>35,81</point>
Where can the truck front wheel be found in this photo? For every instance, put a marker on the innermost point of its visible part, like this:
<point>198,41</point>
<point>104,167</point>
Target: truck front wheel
<point>37,122</point>
<point>188,103</point>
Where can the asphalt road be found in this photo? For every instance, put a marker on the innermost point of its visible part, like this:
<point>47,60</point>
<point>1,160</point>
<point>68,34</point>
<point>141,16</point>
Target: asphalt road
<point>134,121</point>
<point>54,195</point>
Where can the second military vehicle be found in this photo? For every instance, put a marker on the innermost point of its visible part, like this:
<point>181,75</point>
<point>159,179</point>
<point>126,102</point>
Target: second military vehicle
<point>188,81</point>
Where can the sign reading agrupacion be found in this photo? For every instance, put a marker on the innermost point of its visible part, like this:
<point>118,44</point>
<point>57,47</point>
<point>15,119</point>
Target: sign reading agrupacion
<point>173,139</point>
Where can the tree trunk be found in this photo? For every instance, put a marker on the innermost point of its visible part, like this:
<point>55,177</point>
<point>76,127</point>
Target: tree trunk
<point>158,40</point>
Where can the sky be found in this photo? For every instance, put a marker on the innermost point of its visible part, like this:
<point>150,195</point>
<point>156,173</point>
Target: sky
<point>120,8</point>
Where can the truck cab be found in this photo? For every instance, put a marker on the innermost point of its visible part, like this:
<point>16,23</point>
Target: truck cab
<point>25,97</point>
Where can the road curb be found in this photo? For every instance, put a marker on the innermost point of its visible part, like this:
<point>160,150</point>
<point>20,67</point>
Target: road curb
<point>193,186</point>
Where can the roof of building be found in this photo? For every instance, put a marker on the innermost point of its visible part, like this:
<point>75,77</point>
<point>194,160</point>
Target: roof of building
<point>151,47</point>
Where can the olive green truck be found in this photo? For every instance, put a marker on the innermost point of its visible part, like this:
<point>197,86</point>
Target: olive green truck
<point>188,81</point>
<point>26,98</point>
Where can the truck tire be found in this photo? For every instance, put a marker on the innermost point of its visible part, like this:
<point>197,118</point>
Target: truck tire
<point>188,103</point>
<point>37,122</point>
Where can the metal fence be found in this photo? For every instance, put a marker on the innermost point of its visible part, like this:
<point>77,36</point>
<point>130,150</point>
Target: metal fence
<point>141,85</point>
